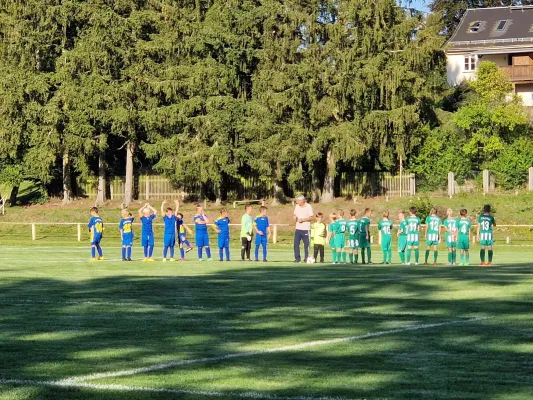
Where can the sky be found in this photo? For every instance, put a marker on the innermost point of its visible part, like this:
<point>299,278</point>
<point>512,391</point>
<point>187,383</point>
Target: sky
<point>420,5</point>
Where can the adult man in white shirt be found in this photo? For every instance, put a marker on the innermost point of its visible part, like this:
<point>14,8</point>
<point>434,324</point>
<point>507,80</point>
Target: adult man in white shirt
<point>303,215</point>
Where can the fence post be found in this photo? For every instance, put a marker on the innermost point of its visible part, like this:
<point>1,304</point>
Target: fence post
<point>413,184</point>
<point>379,237</point>
<point>33,232</point>
<point>372,239</point>
<point>79,232</point>
<point>147,187</point>
<point>530,185</point>
<point>451,184</point>
<point>486,181</point>
<point>275,234</point>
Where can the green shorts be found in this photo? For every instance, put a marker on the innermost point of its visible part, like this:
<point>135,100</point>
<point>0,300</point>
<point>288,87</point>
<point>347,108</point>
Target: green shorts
<point>363,242</point>
<point>353,243</point>
<point>430,243</point>
<point>486,243</point>
<point>402,243</point>
<point>338,241</point>
<point>450,242</point>
<point>463,243</point>
<point>413,243</point>
<point>386,243</point>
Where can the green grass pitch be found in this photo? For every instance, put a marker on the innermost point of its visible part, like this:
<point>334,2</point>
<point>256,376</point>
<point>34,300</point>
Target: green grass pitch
<point>72,329</point>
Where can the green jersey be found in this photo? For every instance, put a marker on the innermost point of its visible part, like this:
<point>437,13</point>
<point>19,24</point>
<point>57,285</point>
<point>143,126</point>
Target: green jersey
<point>432,228</point>
<point>451,225</point>
<point>403,228</point>
<point>334,228</point>
<point>342,224</point>
<point>412,229</point>
<point>463,228</point>
<point>385,226</point>
<point>486,222</point>
<point>363,224</point>
<point>352,226</point>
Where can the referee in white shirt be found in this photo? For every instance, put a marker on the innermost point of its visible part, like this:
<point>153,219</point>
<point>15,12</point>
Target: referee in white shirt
<point>303,215</point>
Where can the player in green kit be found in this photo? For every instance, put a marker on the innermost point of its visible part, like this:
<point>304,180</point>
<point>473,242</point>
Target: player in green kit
<point>342,225</point>
<point>485,235</point>
<point>450,226</point>
<point>364,236</point>
<point>463,240</point>
<point>385,227</point>
<point>402,236</point>
<point>412,230</point>
<point>333,233</point>
<point>352,227</point>
<point>433,224</point>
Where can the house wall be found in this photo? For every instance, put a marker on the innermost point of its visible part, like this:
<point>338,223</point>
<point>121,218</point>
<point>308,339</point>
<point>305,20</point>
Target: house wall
<point>526,93</point>
<point>455,65</point>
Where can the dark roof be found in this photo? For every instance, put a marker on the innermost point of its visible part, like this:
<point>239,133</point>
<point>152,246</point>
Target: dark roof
<point>478,28</point>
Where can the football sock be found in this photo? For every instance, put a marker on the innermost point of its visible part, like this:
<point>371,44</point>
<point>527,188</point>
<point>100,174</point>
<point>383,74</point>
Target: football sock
<point>243,252</point>
<point>264,252</point>
<point>221,253</point>
<point>351,258</point>
<point>256,252</point>
<point>450,257</point>
<point>145,248</point>
<point>100,252</point>
<point>384,256</point>
<point>208,252</point>
<point>165,251</point>
<point>402,256</point>
<point>200,251</point>
<point>467,258</point>
<point>93,252</point>
<point>128,252</point>
<point>482,255</point>
<point>426,257</point>
<point>363,256</point>
<point>461,258</point>
<point>390,255</point>
<point>435,256</point>
<point>356,258</point>
<point>227,252</point>
<point>182,252</point>
<point>491,253</point>
<point>343,256</point>
<point>417,255</point>
<point>172,252</point>
<point>150,251</point>
<point>369,251</point>
<point>123,253</point>
<point>186,243</point>
<point>334,256</point>
<point>408,256</point>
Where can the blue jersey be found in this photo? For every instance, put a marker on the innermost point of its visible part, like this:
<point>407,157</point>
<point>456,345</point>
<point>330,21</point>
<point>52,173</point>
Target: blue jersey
<point>261,223</point>
<point>222,223</point>
<point>96,226</point>
<point>126,226</point>
<point>147,225</point>
<point>200,228</point>
<point>170,224</point>
<point>179,226</point>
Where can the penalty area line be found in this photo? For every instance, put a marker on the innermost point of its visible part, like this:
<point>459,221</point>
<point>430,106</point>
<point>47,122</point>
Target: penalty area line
<point>126,388</point>
<point>301,346</point>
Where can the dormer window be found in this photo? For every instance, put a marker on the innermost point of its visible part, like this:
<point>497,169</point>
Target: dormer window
<point>501,25</point>
<point>474,27</point>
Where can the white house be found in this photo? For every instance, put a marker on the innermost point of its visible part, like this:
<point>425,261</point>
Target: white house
<point>503,35</point>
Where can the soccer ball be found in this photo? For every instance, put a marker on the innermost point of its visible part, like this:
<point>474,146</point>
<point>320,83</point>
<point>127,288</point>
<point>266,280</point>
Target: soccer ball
<point>310,260</point>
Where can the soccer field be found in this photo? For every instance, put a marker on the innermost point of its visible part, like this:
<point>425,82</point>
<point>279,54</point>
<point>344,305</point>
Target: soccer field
<point>72,329</point>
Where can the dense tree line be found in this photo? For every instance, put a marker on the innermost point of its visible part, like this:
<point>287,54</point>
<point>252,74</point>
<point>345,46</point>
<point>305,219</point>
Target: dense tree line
<point>209,91</point>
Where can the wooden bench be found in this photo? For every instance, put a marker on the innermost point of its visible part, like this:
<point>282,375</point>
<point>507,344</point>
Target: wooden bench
<point>260,201</point>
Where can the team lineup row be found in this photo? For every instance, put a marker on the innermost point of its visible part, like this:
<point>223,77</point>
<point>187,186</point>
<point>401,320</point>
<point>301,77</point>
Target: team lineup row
<point>456,230</point>
<point>175,232</point>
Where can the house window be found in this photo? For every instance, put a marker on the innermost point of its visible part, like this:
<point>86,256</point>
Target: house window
<point>501,25</point>
<point>474,26</point>
<point>470,62</point>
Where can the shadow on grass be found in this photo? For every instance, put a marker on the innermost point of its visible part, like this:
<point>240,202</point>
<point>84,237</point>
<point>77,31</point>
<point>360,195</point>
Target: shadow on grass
<point>52,329</point>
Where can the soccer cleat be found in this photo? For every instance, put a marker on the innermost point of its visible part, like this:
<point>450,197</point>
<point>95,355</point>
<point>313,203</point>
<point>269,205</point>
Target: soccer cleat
<point>101,258</point>
<point>189,249</point>
<point>164,260</point>
<point>425,263</point>
<point>416,263</point>
<point>145,259</point>
<point>124,259</point>
<point>481,264</point>
<point>209,259</point>
<point>489,263</point>
<point>221,260</point>
<point>94,259</point>
<point>228,260</point>
<point>129,259</point>
<point>256,260</point>
<point>183,259</point>
<point>265,260</point>
<point>151,259</point>
<point>200,259</point>
<point>436,264</point>
<point>172,260</point>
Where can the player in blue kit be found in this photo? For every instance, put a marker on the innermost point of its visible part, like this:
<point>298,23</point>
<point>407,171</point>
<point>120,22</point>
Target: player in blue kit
<point>262,229</point>
<point>201,236</point>
<point>182,230</point>
<point>96,229</point>
<point>147,214</point>
<point>169,237</point>
<point>126,233</point>
<point>221,226</point>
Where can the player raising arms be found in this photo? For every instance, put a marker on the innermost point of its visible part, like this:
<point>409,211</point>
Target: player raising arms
<point>201,236</point>
<point>147,214</point>
<point>463,243</point>
<point>352,226</point>
<point>433,224</point>
<point>450,226</point>
<point>402,236</point>
<point>485,236</point>
<point>385,227</point>
<point>96,228</point>
<point>412,229</point>
<point>342,226</point>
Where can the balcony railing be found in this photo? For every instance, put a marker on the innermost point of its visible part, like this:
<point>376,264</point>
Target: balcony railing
<point>519,72</point>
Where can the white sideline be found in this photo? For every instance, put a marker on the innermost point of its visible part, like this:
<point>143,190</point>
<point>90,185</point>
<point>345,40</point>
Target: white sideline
<point>305,345</point>
<point>125,388</point>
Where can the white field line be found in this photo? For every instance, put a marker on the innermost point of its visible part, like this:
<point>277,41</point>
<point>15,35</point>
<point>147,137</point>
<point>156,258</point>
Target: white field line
<point>125,388</point>
<point>301,346</point>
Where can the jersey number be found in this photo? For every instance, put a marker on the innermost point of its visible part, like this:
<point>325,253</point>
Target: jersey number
<point>352,230</point>
<point>434,225</point>
<point>386,230</point>
<point>485,225</point>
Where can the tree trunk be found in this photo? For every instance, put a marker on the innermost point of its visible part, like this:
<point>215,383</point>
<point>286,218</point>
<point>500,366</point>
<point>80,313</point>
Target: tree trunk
<point>279,195</point>
<point>128,187</point>
<point>100,196</point>
<point>218,194</point>
<point>329,178</point>
<point>315,191</point>
<point>67,181</point>
<point>13,196</point>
